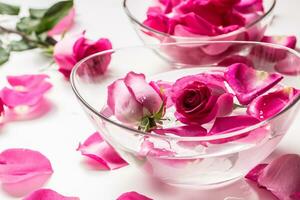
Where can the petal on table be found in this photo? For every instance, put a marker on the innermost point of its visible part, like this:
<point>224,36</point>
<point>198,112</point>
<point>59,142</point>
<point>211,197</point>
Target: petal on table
<point>97,149</point>
<point>143,92</point>
<point>282,176</point>
<point>27,81</point>
<point>133,196</point>
<point>256,172</point>
<point>288,41</point>
<point>266,106</point>
<point>183,131</point>
<point>23,170</point>
<point>48,194</point>
<point>64,24</point>
<point>248,83</point>
<point>123,104</point>
<point>235,59</point>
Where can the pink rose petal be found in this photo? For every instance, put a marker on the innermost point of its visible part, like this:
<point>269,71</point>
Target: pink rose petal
<point>64,24</point>
<point>225,104</point>
<point>148,149</point>
<point>235,59</point>
<point>248,83</point>
<point>289,66</point>
<point>97,149</point>
<point>256,172</point>
<point>48,194</point>
<point>132,196</point>
<point>288,41</point>
<point>282,176</point>
<point>28,90</point>
<point>157,20</point>
<point>295,196</point>
<point>183,131</point>
<point>23,170</point>
<point>266,106</point>
<point>250,6</point>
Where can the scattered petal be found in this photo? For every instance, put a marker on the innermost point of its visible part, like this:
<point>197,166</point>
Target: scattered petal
<point>133,196</point>
<point>23,170</point>
<point>183,131</point>
<point>248,83</point>
<point>97,149</point>
<point>256,172</point>
<point>48,194</point>
<point>266,106</point>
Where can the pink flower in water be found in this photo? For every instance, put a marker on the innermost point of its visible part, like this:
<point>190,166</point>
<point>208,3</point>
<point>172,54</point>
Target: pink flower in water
<point>281,177</point>
<point>105,155</point>
<point>248,83</point>
<point>64,24</point>
<point>72,49</point>
<point>23,170</point>
<point>200,98</point>
<point>132,99</point>
<point>48,194</point>
<point>133,196</point>
<point>268,105</point>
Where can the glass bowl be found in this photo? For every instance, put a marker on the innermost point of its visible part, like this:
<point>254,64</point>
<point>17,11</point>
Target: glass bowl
<point>225,157</point>
<point>136,11</point>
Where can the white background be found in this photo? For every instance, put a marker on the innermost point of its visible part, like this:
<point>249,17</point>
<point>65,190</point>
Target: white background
<point>58,133</point>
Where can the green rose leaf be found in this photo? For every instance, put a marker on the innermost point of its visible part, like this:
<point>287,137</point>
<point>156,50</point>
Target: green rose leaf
<point>53,15</point>
<point>4,55</point>
<point>21,45</point>
<point>7,9</point>
<point>27,25</point>
<point>37,13</point>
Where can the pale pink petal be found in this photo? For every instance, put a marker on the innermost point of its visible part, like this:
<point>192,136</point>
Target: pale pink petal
<point>290,65</point>
<point>225,104</point>
<point>148,149</point>
<point>132,196</point>
<point>248,83</point>
<point>165,88</point>
<point>235,59</point>
<point>64,24</point>
<point>28,81</point>
<point>282,176</point>
<point>97,149</point>
<point>183,131</point>
<point>123,104</point>
<point>23,170</point>
<point>266,106</point>
<point>143,92</point>
<point>288,41</point>
<point>48,194</point>
<point>250,6</point>
<point>256,172</point>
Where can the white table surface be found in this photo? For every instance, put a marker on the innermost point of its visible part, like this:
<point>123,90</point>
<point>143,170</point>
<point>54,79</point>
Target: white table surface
<point>58,133</point>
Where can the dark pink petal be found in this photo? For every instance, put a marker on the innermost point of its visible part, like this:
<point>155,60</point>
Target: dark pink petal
<point>250,6</point>
<point>256,172</point>
<point>266,106</point>
<point>157,20</point>
<point>1,109</point>
<point>132,196</point>
<point>295,196</point>
<point>235,59</point>
<point>228,124</point>
<point>148,149</point>
<point>225,104</point>
<point>282,176</point>
<point>183,131</point>
<point>248,83</point>
<point>23,170</point>
<point>288,41</point>
<point>123,104</point>
<point>48,194</point>
<point>143,92</point>
<point>97,149</point>
<point>64,24</point>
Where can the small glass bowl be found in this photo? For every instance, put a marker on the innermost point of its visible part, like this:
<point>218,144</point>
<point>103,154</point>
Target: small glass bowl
<point>136,11</point>
<point>223,159</point>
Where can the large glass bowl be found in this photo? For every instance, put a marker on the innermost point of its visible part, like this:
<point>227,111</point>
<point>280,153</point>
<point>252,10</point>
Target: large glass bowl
<point>136,10</point>
<point>226,157</point>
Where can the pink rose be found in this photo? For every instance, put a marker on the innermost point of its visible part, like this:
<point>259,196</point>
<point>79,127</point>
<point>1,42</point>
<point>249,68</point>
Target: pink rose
<point>70,50</point>
<point>132,99</point>
<point>201,98</point>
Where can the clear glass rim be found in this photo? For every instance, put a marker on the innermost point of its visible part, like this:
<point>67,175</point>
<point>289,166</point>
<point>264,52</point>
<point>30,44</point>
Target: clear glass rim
<point>218,37</point>
<point>171,137</point>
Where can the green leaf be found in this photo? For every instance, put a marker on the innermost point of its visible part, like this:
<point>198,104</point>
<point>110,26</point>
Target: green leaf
<point>146,124</point>
<point>53,15</point>
<point>160,113</point>
<point>4,55</point>
<point>9,9</point>
<point>27,25</point>
<point>37,13</point>
<point>21,45</point>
